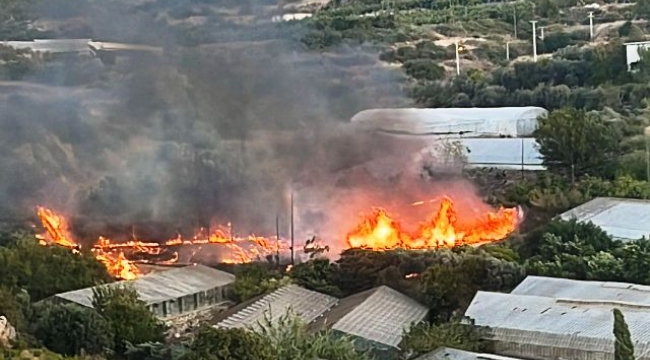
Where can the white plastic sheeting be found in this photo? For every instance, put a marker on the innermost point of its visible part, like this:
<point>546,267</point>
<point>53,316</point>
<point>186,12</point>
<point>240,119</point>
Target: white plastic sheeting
<point>623,219</point>
<point>560,288</point>
<point>503,153</point>
<point>474,122</point>
<point>533,326</point>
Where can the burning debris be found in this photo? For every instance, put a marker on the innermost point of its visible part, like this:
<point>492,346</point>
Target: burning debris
<point>381,232</point>
<point>378,231</point>
<point>120,259</point>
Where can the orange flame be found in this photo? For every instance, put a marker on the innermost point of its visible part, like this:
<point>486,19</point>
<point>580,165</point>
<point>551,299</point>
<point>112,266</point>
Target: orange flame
<point>113,256</point>
<point>380,232</point>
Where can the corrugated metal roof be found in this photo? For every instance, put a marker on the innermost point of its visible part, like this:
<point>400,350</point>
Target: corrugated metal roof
<point>445,353</point>
<point>504,121</point>
<point>306,304</point>
<point>583,290</point>
<point>550,322</point>
<point>164,285</point>
<point>624,219</point>
<point>382,317</point>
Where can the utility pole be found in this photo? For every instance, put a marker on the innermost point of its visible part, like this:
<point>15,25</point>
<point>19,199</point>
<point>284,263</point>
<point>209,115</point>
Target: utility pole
<point>514,20</point>
<point>541,34</point>
<point>591,25</point>
<point>508,50</point>
<point>534,40</point>
<point>646,134</point>
<point>293,259</point>
<point>457,59</point>
<point>277,239</point>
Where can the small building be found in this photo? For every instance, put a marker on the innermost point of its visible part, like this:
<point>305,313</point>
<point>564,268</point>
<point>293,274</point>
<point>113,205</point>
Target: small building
<point>306,304</point>
<point>376,319</point>
<point>622,219</point>
<point>465,122</point>
<point>170,293</point>
<point>543,328</point>
<point>632,55</point>
<point>568,289</point>
<point>445,353</point>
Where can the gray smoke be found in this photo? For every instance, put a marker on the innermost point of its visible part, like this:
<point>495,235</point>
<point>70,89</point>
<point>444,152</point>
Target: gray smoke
<point>197,135</point>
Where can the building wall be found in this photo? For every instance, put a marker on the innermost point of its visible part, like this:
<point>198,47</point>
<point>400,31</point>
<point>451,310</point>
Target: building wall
<point>192,302</point>
<point>553,352</point>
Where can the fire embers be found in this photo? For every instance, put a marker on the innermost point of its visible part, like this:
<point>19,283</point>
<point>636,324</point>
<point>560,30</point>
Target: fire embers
<point>380,232</point>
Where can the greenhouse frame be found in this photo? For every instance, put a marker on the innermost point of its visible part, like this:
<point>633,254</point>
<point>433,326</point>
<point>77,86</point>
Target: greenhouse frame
<point>540,328</point>
<point>466,122</point>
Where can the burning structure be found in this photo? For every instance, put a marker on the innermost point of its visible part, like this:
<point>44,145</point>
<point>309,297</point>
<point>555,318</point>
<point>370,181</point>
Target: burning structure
<point>120,258</point>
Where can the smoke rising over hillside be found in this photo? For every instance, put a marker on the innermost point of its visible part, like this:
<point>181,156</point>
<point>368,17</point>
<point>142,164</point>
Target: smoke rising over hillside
<point>169,143</point>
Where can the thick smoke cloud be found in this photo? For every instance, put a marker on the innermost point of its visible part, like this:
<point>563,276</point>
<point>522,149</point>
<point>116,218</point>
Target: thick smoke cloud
<point>159,144</point>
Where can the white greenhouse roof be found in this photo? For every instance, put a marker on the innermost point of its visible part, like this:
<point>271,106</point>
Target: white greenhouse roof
<point>503,153</point>
<point>382,317</point>
<point>549,322</point>
<point>51,45</point>
<point>474,122</point>
<point>162,286</point>
<point>623,219</point>
<point>306,304</point>
<point>584,290</point>
<point>446,353</point>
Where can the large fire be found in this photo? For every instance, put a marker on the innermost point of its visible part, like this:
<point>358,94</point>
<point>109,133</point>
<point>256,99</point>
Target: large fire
<point>381,232</point>
<point>378,232</point>
<point>113,255</point>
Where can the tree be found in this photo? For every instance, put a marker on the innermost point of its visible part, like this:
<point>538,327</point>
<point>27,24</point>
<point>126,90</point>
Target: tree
<point>256,279</point>
<point>425,337</point>
<point>318,275</point>
<point>228,344</point>
<point>448,287</point>
<point>47,270</point>
<point>574,142</point>
<point>283,339</point>
<point>623,346</point>
<point>444,289</point>
<point>290,341</point>
<point>73,330</point>
<point>11,309</point>
<point>127,315</point>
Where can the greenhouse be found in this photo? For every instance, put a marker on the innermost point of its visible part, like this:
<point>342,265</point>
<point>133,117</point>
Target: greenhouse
<point>534,327</point>
<point>560,288</point>
<point>466,122</point>
<point>622,219</point>
<point>503,153</point>
<point>376,319</point>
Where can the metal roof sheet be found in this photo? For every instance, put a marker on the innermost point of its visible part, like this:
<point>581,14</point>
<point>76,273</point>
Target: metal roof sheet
<point>623,219</point>
<point>306,304</point>
<point>502,121</point>
<point>583,290</point>
<point>552,322</point>
<point>446,353</point>
<point>161,286</point>
<point>382,317</point>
